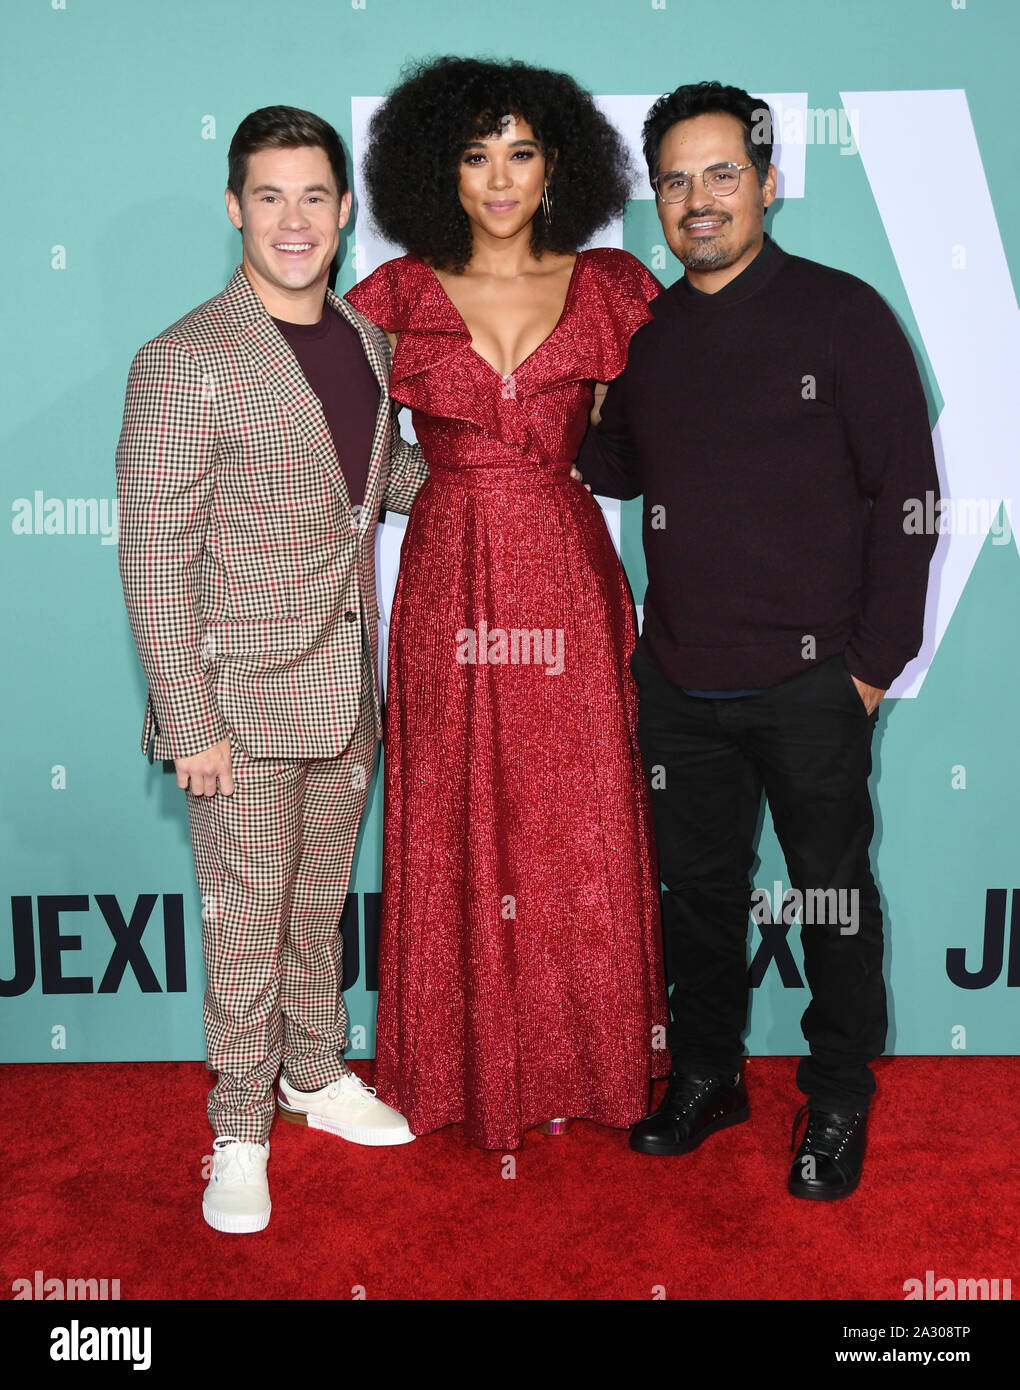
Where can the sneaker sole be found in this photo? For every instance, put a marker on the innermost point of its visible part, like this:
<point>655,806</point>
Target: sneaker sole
<point>736,1117</point>
<point>355,1134</point>
<point>236,1223</point>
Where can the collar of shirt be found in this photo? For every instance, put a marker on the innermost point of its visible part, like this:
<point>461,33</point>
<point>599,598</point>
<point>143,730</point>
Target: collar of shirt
<point>739,282</point>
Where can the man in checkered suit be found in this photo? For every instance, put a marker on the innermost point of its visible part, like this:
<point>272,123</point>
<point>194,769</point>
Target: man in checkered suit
<point>249,498</point>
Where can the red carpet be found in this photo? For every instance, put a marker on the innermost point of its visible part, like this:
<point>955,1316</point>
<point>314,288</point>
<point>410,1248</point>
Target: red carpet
<point>102,1168</point>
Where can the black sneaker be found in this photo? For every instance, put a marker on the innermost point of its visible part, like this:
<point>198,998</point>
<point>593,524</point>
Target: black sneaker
<point>693,1108</point>
<point>829,1161</point>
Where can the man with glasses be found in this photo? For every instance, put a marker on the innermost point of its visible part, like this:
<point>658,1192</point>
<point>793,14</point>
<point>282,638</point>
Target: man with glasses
<point>773,418</point>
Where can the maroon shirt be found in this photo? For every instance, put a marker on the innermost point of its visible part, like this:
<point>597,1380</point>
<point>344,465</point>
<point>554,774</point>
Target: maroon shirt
<point>331,356</point>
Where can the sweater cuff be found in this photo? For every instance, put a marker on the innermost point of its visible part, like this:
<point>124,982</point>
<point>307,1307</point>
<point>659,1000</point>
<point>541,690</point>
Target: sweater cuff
<point>878,669</point>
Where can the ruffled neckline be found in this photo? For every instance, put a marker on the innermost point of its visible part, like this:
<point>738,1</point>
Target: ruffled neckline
<point>432,312</point>
<point>459,326</point>
<point>436,370</point>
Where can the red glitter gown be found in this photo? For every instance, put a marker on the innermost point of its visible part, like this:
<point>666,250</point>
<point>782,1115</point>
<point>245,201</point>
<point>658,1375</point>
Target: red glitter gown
<point>520,970</point>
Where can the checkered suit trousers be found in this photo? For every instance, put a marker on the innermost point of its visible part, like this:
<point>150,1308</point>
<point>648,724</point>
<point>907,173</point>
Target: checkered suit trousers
<point>273,863</point>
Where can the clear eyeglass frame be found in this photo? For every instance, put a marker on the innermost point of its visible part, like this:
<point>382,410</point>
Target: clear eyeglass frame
<point>709,178</point>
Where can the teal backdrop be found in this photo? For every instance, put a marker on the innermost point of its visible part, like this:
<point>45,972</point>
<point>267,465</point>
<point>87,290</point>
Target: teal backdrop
<point>900,165</point>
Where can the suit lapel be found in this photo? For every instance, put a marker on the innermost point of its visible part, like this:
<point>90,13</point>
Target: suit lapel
<point>376,351</point>
<point>267,350</point>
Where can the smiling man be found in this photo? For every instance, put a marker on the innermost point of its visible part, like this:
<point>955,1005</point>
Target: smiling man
<point>773,418</point>
<point>257,448</point>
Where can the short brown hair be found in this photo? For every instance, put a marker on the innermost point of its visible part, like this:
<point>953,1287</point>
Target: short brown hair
<point>283,128</point>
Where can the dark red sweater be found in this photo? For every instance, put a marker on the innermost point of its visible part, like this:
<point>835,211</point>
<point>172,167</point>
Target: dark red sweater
<point>775,431</point>
<point>334,364</point>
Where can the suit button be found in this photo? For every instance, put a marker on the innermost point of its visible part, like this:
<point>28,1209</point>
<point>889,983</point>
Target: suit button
<point>349,616</point>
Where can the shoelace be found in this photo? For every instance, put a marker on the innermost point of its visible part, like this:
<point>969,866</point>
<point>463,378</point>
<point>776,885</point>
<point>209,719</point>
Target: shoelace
<point>683,1092</point>
<point>356,1088</point>
<point>822,1136</point>
<point>236,1153</point>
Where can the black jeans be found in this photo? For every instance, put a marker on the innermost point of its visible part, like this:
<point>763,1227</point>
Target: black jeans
<point>807,744</point>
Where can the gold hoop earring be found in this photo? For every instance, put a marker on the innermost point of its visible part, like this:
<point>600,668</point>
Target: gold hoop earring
<point>547,205</point>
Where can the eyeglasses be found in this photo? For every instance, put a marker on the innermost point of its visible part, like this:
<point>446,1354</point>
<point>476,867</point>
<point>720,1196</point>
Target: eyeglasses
<point>720,179</point>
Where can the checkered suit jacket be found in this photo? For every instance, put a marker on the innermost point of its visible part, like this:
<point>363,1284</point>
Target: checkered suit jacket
<point>249,578</point>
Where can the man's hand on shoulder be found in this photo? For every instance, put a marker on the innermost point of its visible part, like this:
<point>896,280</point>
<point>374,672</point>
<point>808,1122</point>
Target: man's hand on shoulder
<point>870,694</point>
<point>203,771</point>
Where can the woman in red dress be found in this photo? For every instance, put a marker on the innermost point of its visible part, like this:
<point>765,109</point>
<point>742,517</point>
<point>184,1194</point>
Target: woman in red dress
<point>520,973</point>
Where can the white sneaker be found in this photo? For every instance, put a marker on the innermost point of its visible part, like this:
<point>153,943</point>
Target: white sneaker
<point>346,1107</point>
<point>237,1198</point>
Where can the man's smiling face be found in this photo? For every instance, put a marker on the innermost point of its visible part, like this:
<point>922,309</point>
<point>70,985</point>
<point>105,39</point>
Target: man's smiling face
<point>715,237</point>
<point>290,215</point>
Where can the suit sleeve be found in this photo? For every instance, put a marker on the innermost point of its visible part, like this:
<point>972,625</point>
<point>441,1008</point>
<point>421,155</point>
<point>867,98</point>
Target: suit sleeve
<point>166,468</point>
<point>608,460</point>
<point>408,470</point>
<point>882,405</point>
<point>380,299</point>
